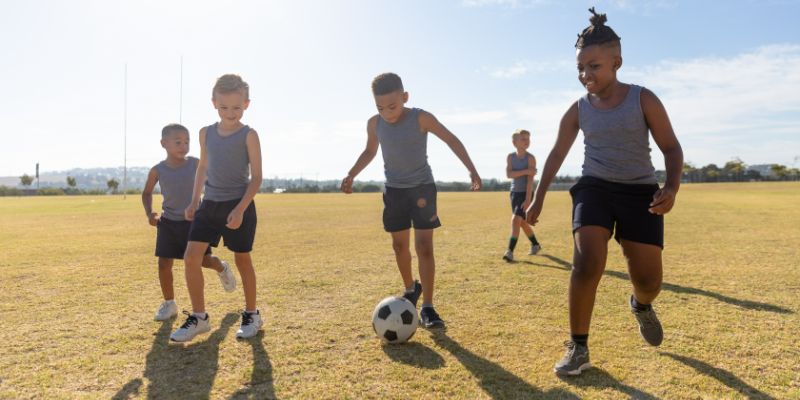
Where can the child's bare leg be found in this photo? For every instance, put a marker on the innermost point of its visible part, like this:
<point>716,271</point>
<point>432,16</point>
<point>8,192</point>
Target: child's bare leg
<point>423,244</point>
<point>515,224</point>
<point>644,266</point>
<point>589,262</point>
<point>245,266</point>
<point>165,277</point>
<point>213,262</point>
<point>402,253</point>
<point>525,227</point>
<point>193,258</point>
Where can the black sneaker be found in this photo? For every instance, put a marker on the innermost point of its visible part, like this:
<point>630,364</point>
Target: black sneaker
<point>575,360</point>
<point>414,296</point>
<point>649,325</point>
<point>429,318</point>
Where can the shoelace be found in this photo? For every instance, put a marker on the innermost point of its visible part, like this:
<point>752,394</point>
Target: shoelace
<point>190,320</point>
<point>247,318</point>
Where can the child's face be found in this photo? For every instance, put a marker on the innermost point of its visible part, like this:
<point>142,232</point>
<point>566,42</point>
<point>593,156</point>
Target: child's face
<point>230,106</point>
<point>597,67</point>
<point>522,142</point>
<point>390,106</point>
<point>176,144</point>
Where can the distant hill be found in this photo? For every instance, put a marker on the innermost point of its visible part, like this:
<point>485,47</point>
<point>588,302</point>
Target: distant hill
<point>86,178</point>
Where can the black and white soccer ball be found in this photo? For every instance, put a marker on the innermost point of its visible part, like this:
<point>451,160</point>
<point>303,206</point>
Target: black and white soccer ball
<point>395,320</point>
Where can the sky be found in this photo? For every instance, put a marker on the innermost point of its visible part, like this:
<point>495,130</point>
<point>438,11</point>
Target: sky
<point>727,72</point>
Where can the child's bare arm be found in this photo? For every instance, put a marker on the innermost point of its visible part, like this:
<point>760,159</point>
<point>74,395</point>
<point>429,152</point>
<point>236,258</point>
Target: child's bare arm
<point>147,196</point>
<point>660,127</point>
<point>199,177</point>
<point>529,186</point>
<point>429,123</point>
<point>365,158</point>
<point>511,174</point>
<point>236,215</point>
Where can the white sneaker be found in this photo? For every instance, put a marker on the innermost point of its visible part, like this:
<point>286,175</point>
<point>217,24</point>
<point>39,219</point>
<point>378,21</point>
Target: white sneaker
<point>251,324</point>
<point>166,310</point>
<point>226,278</point>
<point>191,328</point>
<point>509,256</point>
<point>535,248</point>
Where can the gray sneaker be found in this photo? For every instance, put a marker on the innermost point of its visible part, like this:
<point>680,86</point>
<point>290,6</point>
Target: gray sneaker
<point>509,256</point>
<point>649,325</point>
<point>535,248</point>
<point>575,360</point>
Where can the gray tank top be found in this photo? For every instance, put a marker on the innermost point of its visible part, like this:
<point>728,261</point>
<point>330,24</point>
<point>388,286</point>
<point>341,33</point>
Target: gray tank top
<point>228,172</point>
<point>176,187</point>
<point>519,184</point>
<point>617,141</point>
<point>405,151</point>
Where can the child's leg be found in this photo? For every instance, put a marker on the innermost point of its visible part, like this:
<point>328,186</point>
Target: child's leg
<point>402,253</point>
<point>525,227</point>
<point>212,262</point>
<point>423,244</point>
<point>644,266</point>
<point>589,262</point>
<point>165,277</point>
<point>193,258</point>
<point>245,266</point>
<point>515,225</point>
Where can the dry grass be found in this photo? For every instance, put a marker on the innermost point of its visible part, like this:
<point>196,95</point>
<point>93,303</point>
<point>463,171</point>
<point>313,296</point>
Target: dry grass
<point>78,287</point>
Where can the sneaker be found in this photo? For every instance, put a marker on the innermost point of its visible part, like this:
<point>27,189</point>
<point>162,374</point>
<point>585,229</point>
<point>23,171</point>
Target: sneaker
<point>251,323</point>
<point>509,256</point>
<point>414,296</point>
<point>429,318</point>
<point>649,325</point>
<point>226,278</point>
<point>575,360</point>
<point>535,248</point>
<point>191,328</point>
<point>166,310</point>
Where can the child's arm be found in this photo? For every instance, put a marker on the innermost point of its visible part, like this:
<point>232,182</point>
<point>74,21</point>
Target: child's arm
<point>567,132</point>
<point>511,174</point>
<point>199,178</point>
<point>529,186</point>
<point>366,156</point>
<point>429,123</point>
<point>658,121</point>
<point>147,196</point>
<point>254,154</point>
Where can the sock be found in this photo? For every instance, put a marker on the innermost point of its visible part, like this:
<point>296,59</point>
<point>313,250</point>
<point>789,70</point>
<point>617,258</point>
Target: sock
<point>169,301</point>
<point>429,305</point>
<point>512,242</point>
<point>532,238</point>
<point>252,312</point>
<point>203,316</point>
<point>410,290</point>
<point>582,340</point>
<point>639,306</point>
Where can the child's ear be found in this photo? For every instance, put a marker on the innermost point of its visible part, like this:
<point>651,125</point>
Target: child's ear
<point>163,144</point>
<point>617,63</point>
<point>405,97</point>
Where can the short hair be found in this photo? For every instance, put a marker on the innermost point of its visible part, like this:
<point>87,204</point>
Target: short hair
<point>230,83</point>
<point>386,83</point>
<point>172,128</point>
<point>597,33</point>
<point>519,132</point>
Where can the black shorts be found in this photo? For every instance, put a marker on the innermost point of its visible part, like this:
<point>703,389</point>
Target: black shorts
<point>624,206</point>
<point>405,206</point>
<point>172,238</point>
<point>517,201</point>
<point>209,225</point>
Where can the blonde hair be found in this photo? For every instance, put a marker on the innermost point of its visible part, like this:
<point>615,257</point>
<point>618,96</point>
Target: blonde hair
<point>230,83</point>
<point>519,132</point>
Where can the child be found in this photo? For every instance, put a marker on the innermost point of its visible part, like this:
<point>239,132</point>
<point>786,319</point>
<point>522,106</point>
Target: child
<point>521,167</point>
<point>410,195</point>
<point>618,192</point>
<point>229,153</point>
<point>175,175</point>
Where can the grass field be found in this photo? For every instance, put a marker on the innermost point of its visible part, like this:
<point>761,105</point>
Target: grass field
<point>78,288</point>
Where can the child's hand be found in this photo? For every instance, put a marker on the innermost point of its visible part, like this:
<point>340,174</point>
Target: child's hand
<point>532,213</point>
<point>526,204</point>
<point>347,184</point>
<point>476,182</point>
<point>532,171</point>
<point>189,212</point>
<point>663,200</point>
<point>234,219</point>
<point>153,219</point>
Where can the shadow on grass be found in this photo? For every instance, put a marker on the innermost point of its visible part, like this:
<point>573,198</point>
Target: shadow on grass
<point>495,380</point>
<point>175,371</point>
<point>414,354</point>
<point>260,385</point>
<point>728,379</point>
<point>599,379</point>
<point>750,305</point>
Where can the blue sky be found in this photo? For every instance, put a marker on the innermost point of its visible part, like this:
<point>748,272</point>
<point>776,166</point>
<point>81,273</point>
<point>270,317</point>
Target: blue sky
<point>727,72</point>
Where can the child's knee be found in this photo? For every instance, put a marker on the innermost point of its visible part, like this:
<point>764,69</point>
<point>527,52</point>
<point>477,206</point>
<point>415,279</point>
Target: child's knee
<point>647,284</point>
<point>424,249</point>
<point>400,247</point>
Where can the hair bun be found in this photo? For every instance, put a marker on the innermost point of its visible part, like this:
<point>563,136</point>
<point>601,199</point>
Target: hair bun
<point>597,19</point>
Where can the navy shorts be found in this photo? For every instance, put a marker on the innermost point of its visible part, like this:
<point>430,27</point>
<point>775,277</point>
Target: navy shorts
<point>406,206</point>
<point>172,238</point>
<point>617,205</point>
<point>517,201</point>
<point>209,225</point>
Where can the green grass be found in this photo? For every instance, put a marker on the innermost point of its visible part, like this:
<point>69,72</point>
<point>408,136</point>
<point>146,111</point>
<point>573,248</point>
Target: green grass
<point>78,287</point>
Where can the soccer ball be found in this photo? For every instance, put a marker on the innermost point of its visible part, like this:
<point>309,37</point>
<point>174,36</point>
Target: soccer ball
<point>395,320</point>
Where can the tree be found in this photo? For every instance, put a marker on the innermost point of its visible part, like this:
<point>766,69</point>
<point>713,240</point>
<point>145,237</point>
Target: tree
<point>71,182</point>
<point>113,184</point>
<point>779,170</point>
<point>690,173</point>
<point>735,168</point>
<point>26,180</point>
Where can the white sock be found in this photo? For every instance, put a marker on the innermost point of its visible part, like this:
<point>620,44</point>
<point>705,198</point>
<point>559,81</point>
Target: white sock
<point>203,316</point>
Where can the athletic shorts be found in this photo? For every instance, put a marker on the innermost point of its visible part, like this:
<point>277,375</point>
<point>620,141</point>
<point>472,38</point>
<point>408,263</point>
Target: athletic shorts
<point>172,238</point>
<point>209,225</point>
<point>621,208</point>
<point>407,207</point>
<point>517,201</point>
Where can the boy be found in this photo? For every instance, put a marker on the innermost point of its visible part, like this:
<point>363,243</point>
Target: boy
<point>521,167</point>
<point>230,169</point>
<point>175,175</point>
<point>618,192</point>
<point>410,195</point>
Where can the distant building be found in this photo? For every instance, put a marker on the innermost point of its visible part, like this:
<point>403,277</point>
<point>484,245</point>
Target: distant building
<point>765,170</point>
